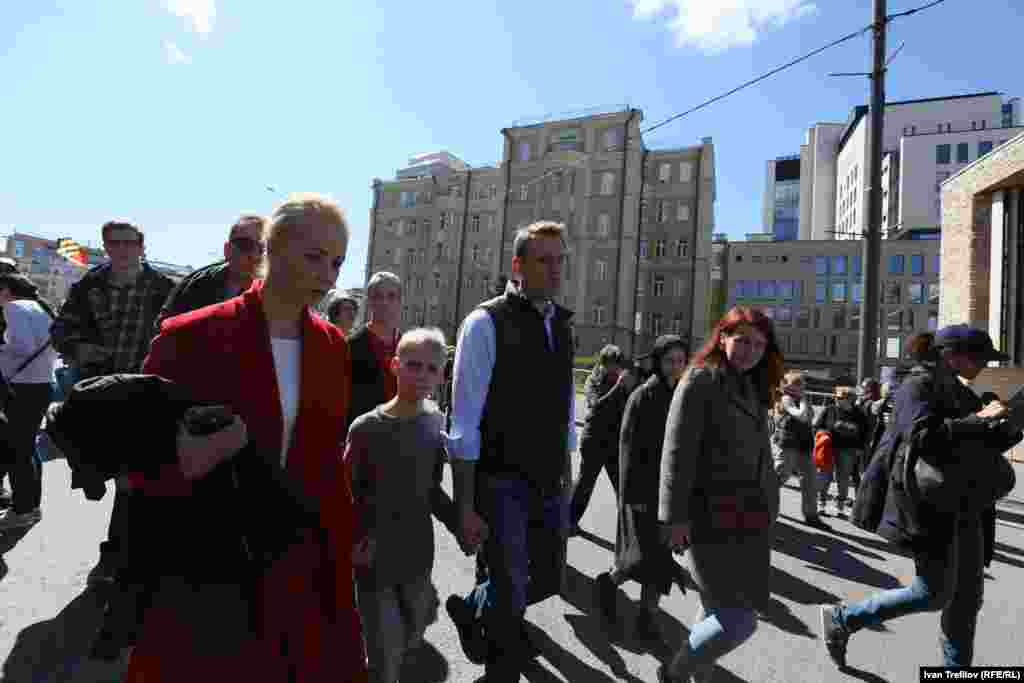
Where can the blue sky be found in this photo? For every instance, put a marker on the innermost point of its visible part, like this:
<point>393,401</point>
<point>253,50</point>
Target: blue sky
<point>179,113</point>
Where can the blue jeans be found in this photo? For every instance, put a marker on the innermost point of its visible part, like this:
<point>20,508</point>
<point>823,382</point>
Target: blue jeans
<point>718,631</point>
<point>525,557</point>
<point>950,579</point>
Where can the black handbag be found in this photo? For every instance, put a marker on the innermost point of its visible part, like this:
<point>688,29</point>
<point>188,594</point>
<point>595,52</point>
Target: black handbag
<point>974,472</point>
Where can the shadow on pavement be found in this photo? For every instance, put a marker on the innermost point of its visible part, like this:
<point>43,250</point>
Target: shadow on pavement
<point>878,544</point>
<point>1005,515</point>
<point>777,613</point>
<point>569,665</point>
<point>57,650</point>
<point>425,665</point>
<point>797,590</point>
<point>601,638</point>
<point>862,675</point>
<point>597,540</point>
<point>1013,550</point>
<point>11,538</point>
<point>832,555</point>
<point>1013,562</point>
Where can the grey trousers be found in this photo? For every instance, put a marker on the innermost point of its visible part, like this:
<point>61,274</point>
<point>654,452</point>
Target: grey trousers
<point>790,461</point>
<point>394,619</point>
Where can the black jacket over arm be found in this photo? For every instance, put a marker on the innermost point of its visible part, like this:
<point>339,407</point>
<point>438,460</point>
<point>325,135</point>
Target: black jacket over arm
<point>369,388</point>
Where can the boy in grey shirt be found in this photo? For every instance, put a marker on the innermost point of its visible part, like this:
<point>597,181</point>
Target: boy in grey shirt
<point>394,454</point>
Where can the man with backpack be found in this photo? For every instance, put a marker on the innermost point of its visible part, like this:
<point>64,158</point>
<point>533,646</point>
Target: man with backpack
<point>848,429</point>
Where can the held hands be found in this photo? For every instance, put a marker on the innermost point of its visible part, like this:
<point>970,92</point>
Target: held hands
<point>676,536</point>
<point>197,455</point>
<point>473,531</point>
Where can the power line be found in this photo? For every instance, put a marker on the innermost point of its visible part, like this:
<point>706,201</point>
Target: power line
<point>849,36</point>
<point>915,10</point>
<point>796,61</point>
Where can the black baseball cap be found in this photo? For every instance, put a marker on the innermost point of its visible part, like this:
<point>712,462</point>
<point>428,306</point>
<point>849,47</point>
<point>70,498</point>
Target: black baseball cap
<point>966,339</point>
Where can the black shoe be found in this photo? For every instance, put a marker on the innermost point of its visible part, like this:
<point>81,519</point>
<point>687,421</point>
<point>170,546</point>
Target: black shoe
<point>6,499</point>
<point>647,629</point>
<point>607,595</point>
<point>664,677</point>
<point>104,573</point>
<point>471,635</point>
<point>529,648</point>
<point>834,635</point>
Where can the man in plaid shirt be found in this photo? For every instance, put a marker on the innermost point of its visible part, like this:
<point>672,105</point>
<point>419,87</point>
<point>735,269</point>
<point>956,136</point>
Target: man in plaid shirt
<point>104,327</point>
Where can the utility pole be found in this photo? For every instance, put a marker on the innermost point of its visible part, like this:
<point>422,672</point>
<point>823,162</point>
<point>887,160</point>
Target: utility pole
<point>868,349</point>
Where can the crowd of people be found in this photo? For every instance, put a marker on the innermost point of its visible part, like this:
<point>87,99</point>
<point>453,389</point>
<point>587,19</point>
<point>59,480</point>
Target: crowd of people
<point>277,544</point>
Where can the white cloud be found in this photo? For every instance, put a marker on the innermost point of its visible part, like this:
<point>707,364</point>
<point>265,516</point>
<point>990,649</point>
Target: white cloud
<point>714,26</point>
<point>200,14</point>
<point>174,55</point>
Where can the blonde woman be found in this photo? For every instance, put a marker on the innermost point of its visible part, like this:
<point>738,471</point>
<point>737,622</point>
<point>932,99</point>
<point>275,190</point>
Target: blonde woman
<point>264,592</point>
<point>792,441</point>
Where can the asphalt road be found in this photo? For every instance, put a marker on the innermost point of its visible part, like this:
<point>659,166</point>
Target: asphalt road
<point>47,618</point>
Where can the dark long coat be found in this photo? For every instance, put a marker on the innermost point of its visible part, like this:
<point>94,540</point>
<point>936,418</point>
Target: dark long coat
<point>717,475</point>
<point>639,552</point>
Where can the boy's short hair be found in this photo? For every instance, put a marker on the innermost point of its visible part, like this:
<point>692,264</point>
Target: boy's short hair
<point>383,279</point>
<point>431,337</point>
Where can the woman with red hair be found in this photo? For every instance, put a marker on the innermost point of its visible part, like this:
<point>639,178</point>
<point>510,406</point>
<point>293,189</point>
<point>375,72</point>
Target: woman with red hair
<point>719,493</point>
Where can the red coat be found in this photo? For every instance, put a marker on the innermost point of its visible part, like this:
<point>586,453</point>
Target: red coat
<point>223,353</point>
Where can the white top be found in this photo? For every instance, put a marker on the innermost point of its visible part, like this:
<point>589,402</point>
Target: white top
<point>287,365</point>
<point>28,328</point>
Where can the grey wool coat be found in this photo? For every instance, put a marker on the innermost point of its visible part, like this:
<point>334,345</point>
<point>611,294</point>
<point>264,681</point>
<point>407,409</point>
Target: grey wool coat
<point>717,475</point>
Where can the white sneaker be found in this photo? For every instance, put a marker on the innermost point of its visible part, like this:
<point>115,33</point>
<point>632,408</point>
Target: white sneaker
<point>9,519</point>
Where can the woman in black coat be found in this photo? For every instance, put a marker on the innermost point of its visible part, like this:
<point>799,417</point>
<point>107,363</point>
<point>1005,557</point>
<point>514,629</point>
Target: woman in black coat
<point>948,547</point>
<point>639,553</point>
<point>606,391</point>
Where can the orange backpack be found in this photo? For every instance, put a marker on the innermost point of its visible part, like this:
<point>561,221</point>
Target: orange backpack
<point>824,457</point>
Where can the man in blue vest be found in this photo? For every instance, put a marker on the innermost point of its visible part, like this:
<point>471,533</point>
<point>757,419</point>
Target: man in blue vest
<point>513,428</point>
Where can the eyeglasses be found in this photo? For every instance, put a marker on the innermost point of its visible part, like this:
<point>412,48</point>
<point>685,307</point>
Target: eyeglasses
<point>122,243</point>
<point>248,245</point>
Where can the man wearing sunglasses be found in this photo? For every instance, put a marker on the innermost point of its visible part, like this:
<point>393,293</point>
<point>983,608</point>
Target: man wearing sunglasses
<point>223,280</point>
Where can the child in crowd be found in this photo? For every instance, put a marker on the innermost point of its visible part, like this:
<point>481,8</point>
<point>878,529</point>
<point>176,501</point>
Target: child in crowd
<point>394,454</point>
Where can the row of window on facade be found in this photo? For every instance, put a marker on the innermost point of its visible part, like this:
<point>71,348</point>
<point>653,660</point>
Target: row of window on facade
<point>944,153</point>
<point>848,318</point>
<point>841,264</point>
<point>662,248</point>
<point>441,252</point>
<point>948,127</point>
<point>654,324</point>
<point>663,211</point>
<point>841,292</point>
<point>836,346</point>
<point>570,140</point>
<point>448,219</point>
<point>611,139</point>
